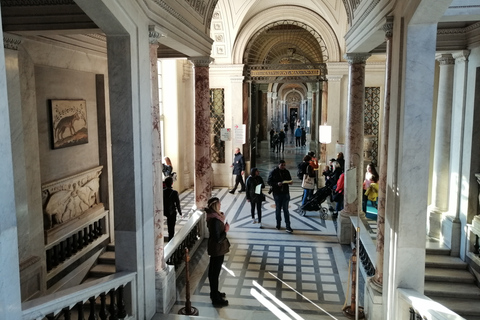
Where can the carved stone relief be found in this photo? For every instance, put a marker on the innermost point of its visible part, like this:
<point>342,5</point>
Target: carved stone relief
<point>69,197</point>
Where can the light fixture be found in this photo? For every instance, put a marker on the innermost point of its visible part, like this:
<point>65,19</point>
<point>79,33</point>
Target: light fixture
<point>325,135</point>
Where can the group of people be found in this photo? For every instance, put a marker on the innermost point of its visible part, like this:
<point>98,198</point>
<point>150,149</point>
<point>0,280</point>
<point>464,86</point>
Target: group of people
<point>277,138</point>
<point>335,179</point>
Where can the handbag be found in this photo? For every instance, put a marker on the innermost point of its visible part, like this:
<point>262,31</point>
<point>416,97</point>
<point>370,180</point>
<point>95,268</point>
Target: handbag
<point>308,182</point>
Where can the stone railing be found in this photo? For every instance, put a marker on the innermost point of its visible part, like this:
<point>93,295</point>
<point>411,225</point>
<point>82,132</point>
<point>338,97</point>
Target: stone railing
<point>413,305</point>
<point>368,250</point>
<point>190,236</point>
<point>111,297</point>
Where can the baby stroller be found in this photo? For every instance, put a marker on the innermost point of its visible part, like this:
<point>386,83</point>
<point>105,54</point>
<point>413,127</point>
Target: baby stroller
<point>314,203</point>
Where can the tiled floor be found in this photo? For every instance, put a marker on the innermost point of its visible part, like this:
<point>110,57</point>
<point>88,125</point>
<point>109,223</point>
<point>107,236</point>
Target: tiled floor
<point>270,274</point>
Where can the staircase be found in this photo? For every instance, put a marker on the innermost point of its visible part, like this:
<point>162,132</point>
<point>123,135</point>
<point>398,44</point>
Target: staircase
<point>105,264</point>
<point>448,282</point>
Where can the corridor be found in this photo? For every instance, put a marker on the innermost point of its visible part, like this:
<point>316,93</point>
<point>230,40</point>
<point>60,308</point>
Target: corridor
<point>270,274</point>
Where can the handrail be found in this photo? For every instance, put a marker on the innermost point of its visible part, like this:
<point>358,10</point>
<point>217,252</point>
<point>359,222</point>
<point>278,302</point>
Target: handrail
<point>56,302</point>
<point>173,245</point>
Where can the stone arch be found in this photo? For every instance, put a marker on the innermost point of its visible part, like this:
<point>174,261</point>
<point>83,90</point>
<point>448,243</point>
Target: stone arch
<point>302,15</point>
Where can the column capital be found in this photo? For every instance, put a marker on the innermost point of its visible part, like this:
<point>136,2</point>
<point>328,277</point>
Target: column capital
<point>201,61</point>
<point>388,27</point>
<point>154,35</point>
<point>334,77</point>
<point>461,56</point>
<point>355,58</point>
<point>445,59</point>
<point>11,41</point>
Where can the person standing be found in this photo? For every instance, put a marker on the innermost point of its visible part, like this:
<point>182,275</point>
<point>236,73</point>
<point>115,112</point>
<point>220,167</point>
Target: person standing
<point>254,194</point>
<point>238,171</point>
<point>304,137</point>
<point>280,178</point>
<point>218,246</point>
<point>298,137</point>
<point>171,204</point>
<point>370,175</point>
<point>307,170</point>
<point>281,141</point>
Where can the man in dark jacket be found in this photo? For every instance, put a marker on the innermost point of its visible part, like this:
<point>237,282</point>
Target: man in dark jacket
<point>171,204</point>
<point>279,178</point>
<point>238,171</point>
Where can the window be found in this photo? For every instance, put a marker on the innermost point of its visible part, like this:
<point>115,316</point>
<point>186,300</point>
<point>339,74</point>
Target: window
<point>217,122</point>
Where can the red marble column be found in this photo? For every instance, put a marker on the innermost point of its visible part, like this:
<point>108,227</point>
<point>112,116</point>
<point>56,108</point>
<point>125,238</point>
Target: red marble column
<point>203,167</point>
<point>355,126</point>
<point>377,280</point>
<point>156,155</point>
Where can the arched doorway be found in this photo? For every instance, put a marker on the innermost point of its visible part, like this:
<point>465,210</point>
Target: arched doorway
<point>285,61</point>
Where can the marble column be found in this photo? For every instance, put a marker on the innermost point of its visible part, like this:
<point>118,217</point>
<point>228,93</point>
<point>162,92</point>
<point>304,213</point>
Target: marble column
<point>353,143</point>
<point>453,232</point>
<point>323,119</point>
<point>441,158</point>
<point>377,280</point>
<point>156,154</point>
<point>9,264</point>
<point>203,167</point>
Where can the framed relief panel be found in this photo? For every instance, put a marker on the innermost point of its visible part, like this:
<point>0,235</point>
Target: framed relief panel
<point>69,123</point>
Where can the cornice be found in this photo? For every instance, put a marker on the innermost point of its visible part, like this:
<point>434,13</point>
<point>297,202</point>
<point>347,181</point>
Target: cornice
<point>171,11</point>
<point>29,3</point>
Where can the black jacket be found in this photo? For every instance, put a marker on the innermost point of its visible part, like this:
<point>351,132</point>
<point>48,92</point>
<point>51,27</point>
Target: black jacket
<point>171,202</point>
<point>252,182</point>
<point>276,176</point>
<point>218,244</point>
<point>238,164</point>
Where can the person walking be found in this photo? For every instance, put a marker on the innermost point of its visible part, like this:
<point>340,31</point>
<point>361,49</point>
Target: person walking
<point>171,204</point>
<point>298,137</point>
<point>280,179</point>
<point>238,171</point>
<point>218,246</point>
<point>254,194</point>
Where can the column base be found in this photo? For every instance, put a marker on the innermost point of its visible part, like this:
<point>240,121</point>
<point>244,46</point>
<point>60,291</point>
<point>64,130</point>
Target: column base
<point>373,301</point>
<point>165,289</point>
<point>345,228</point>
<point>435,218</point>
<point>451,233</point>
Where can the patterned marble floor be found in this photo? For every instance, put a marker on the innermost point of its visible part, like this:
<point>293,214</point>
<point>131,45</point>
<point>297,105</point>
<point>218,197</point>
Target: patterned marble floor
<point>270,274</point>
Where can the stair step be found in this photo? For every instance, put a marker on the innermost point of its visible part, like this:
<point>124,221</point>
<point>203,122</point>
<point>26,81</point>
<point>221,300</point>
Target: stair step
<point>438,251</point>
<point>111,247</point>
<point>449,275</point>
<point>445,262</point>
<point>108,257</point>
<point>449,289</point>
<point>465,308</point>
<point>102,270</point>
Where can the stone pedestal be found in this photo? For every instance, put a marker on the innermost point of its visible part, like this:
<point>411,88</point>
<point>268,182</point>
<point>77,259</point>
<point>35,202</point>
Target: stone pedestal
<point>166,289</point>
<point>373,301</point>
<point>451,231</point>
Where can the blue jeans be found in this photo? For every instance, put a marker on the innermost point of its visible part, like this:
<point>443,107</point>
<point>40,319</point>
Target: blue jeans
<point>281,202</point>
<point>307,193</point>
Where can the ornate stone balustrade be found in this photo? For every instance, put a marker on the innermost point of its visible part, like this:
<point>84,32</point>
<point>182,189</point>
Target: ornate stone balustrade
<point>190,236</point>
<point>63,304</point>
